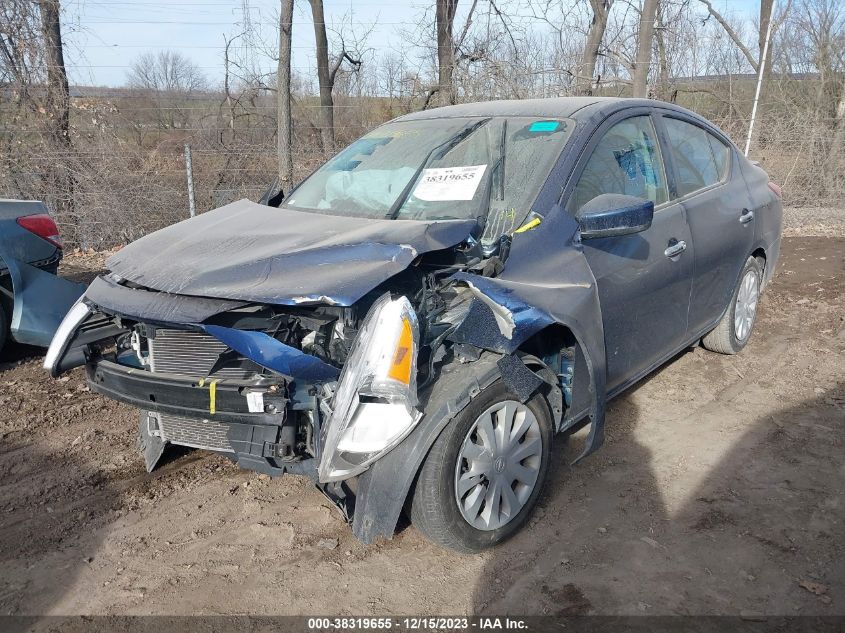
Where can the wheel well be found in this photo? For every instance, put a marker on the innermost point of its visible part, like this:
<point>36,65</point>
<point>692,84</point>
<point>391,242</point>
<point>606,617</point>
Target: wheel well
<point>558,349</point>
<point>549,340</point>
<point>760,256</point>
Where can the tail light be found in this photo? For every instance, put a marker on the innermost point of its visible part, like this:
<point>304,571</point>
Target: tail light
<point>43,226</point>
<point>776,189</point>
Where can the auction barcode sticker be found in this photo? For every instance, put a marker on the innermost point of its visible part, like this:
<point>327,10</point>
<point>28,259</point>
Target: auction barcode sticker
<point>449,183</point>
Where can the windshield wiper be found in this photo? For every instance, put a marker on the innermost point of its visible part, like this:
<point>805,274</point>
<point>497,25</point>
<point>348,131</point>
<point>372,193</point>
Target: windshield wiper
<point>438,153</point>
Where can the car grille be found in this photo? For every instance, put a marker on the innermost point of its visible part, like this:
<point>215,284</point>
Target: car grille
<point>206,434</point>
<point>191,354</point>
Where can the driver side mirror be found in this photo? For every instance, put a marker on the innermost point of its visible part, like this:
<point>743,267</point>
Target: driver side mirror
<point>273,196</point>
<point>614,214</point>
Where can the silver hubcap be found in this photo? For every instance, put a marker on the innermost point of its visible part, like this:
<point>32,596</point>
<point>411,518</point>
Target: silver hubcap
<point>498,465</point>
<point>746,305</point>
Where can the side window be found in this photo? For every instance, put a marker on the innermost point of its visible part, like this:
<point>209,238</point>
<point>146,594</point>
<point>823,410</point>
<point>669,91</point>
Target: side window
<point>700,158</point>
<point>627,161</point>
<point>721,153</point>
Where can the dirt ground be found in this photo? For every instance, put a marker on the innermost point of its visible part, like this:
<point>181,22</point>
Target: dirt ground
<point>719,491</point>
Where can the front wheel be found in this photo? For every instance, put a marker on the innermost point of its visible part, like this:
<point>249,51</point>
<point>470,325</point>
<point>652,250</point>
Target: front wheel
<point>483,475</point>
<point>734,330</point>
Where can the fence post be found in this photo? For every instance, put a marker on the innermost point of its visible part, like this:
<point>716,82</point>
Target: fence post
<point>190,171</point>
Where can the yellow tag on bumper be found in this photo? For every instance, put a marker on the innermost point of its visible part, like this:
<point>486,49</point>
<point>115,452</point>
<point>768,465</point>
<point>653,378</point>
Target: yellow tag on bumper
<point>212,397</point>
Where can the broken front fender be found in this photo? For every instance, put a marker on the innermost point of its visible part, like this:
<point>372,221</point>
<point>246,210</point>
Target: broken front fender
<point>40,301</point>
<point>546,280</point>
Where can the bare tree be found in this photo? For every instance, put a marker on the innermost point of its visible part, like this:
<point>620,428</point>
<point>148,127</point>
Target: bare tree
<point>327,73</point>
<point>644,42</point>
<point>662,58</point>
<point>284,120</point>
<point>586,69</point>
<point>58,96</point>
<point>57,104</point>
<point>170,79</point>
<point>766,7</point>
<point>445,19</point>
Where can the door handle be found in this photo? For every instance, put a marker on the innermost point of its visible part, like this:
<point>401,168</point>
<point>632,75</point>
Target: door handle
<point>675,249</point>
<point>746,217</point>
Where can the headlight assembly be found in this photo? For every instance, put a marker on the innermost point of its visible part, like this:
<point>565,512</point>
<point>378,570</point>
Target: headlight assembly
<point>373,407</point>
<point>78,312</point>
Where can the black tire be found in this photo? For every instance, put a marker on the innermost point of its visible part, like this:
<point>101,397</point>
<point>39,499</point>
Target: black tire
<point>434,506</point>
<point>723,338</point>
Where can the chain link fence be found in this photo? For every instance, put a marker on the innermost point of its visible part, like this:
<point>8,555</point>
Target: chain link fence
<point>124,176</point>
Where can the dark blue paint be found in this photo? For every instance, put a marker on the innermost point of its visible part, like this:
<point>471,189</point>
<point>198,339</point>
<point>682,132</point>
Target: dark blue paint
<point>273,354</point>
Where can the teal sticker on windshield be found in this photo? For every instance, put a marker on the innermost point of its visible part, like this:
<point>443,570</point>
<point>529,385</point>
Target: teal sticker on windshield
<point>543,126</point>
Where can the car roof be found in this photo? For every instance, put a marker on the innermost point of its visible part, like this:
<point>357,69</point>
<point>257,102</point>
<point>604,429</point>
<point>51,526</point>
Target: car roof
<point>577,108</point>
<point>558,107</point>
<point>555,107</point>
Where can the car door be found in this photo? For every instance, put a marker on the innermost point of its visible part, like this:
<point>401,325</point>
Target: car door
<point>644,279</point>
<point>712,191</point>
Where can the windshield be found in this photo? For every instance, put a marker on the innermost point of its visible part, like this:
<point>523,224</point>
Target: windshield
<point>436,169</point>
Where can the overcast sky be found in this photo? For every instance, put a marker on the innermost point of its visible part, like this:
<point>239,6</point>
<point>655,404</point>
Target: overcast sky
<point>105,36</point>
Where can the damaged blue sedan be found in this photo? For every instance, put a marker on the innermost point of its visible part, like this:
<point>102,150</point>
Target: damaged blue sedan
<point>411,325</point>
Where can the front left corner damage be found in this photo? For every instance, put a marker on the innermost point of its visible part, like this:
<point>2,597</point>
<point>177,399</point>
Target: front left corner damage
<point>546,281</point>
<point>531,293</point>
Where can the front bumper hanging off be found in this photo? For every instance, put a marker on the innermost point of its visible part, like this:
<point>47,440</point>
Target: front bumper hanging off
<point>260,440</point>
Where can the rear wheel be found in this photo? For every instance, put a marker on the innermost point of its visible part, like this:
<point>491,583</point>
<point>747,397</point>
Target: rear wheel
<point>483,475</point>
<point>734,330</point>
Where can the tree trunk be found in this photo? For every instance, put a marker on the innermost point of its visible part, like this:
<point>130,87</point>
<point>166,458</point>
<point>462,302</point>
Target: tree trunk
<point>58,98</point>
<point>766,16</point>
<point>284,120</point>
<point>586,69</point>
<point>58,113</point>
<point>324,77</point>
<point>664,91</point>
<point>644,40</point>
<point>445,16</point>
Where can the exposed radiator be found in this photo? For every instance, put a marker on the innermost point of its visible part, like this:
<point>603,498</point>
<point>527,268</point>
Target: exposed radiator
<point>206,434</point>
<point>191,354</point>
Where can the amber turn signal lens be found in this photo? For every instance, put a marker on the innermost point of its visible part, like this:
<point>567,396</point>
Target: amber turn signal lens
<point>400,367</point>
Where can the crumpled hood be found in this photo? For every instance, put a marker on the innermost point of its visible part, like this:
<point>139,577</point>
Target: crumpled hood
<point>252,252</point>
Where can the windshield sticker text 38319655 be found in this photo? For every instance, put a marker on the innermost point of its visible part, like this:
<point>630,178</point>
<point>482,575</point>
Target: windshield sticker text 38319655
<point>441,184</point>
